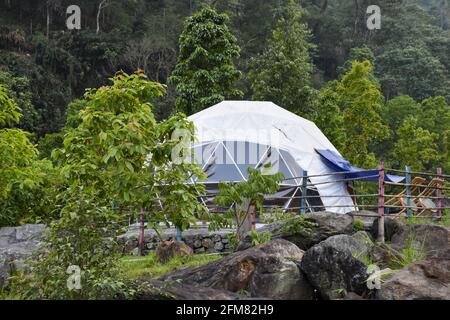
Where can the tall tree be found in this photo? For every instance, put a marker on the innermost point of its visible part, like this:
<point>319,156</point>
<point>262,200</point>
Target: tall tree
<point>205,73</point>
<point>328,116</point>
<point>435,118</point>
<point>415,147</point>
<point>282,74</point>
<point>361,102</point>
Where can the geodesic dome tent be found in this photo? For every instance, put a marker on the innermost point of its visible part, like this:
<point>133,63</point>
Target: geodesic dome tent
<point>235,135</point>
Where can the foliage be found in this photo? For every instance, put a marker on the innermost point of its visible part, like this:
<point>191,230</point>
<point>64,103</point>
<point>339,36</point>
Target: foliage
<point>240,198</point>
<point>410,254</point>
<point>361,102</point>
<point>136,267</point>
<point>282,74</point>
<point>205,73</point>
<point>328,116</point>
<point>298,224</point>
<point>415,146</point>
<point>260,237</point>
<point>103,159</point>
<point>412,70</point>
<point>275,215</point>
<point>22,175</point>
<point>358,225</point>
<point>18,89</point>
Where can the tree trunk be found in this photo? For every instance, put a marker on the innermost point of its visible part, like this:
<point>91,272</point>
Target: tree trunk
<point>103,4</point>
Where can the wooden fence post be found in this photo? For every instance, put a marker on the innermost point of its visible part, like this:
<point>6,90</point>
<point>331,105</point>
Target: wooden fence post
<point>381,203</point>
<point>440,202</point>
<point>408,191</point>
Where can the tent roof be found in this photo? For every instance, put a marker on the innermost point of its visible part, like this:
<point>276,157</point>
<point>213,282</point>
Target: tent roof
<point>253,120</point>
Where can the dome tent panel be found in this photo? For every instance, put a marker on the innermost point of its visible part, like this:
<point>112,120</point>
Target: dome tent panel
<point>265,123</point>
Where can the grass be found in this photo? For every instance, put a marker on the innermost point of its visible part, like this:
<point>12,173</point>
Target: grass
<point>136,267</point>
<point>444,222</point>
<point>364,257</point>
<point>410,254</point>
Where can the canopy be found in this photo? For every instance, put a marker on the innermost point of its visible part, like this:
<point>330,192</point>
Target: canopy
<point>338,164</point>
<point>230,128</point>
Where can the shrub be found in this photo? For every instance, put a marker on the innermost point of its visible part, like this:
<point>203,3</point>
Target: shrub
<point>358,225</point>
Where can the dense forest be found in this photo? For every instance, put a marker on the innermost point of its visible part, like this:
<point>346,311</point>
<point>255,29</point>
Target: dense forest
<point>81,110</point>
<point>46,66</point>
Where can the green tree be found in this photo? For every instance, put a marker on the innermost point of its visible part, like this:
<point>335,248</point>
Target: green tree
<point>106,159</point>
<point>19,90</point>
<point>435,118</point>
<point>415,146</point>
<point>412,70</point>
<point>282,74</point>
<point>22,175</point>
<point>205,73</point>
<point>244,198</point>
<point>361,102</point>
<point>328,116</point>
<point>394,114</point>
<point>357,54</point>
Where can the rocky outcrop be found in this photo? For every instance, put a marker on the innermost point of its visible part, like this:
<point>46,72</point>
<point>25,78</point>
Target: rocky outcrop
<point>151,289</point>
<point>199,239</point>
<point>332,271</point>
<point>327,224</point>
<point>424,280</point>
<point>17,244</point>
<point>170,249</point>
<point>268,270</point>
<point>427,237</point>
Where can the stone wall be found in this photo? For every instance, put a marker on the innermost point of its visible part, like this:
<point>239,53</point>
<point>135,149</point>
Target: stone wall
<point>17,244</point>
<point>199,239</point>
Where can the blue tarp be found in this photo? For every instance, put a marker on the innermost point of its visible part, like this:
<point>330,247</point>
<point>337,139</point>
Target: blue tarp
<point>338,164</point>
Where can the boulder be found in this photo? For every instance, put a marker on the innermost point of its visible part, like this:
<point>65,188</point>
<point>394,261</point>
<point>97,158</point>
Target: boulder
<point>151,289</point>
<point>268,270</point>
<point>343,242</point>
<point>424,280</point>
<point>332,271</point>
<point>383,255</point>
<point>16,245</point>
<point>391,227</point>
<point>427,237</point>
<point>170,249</point>
<point>327,224</point>
<point>364,238</point>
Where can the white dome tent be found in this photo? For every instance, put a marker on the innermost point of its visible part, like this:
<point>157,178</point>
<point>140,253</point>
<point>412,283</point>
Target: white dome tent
<point>234,135</point>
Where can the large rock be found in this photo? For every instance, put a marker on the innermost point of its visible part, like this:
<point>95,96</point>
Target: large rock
<point>427,237</point>
<point>16,245</point>
<point>343,242</point>
<point>327,224</point>
<point>268,270</point>
<point>332,271</point>
<point>170,249</point>
<point>391,227</point>
<point>424,280</point>
<point>384,256</point>
<point>151,289</point>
